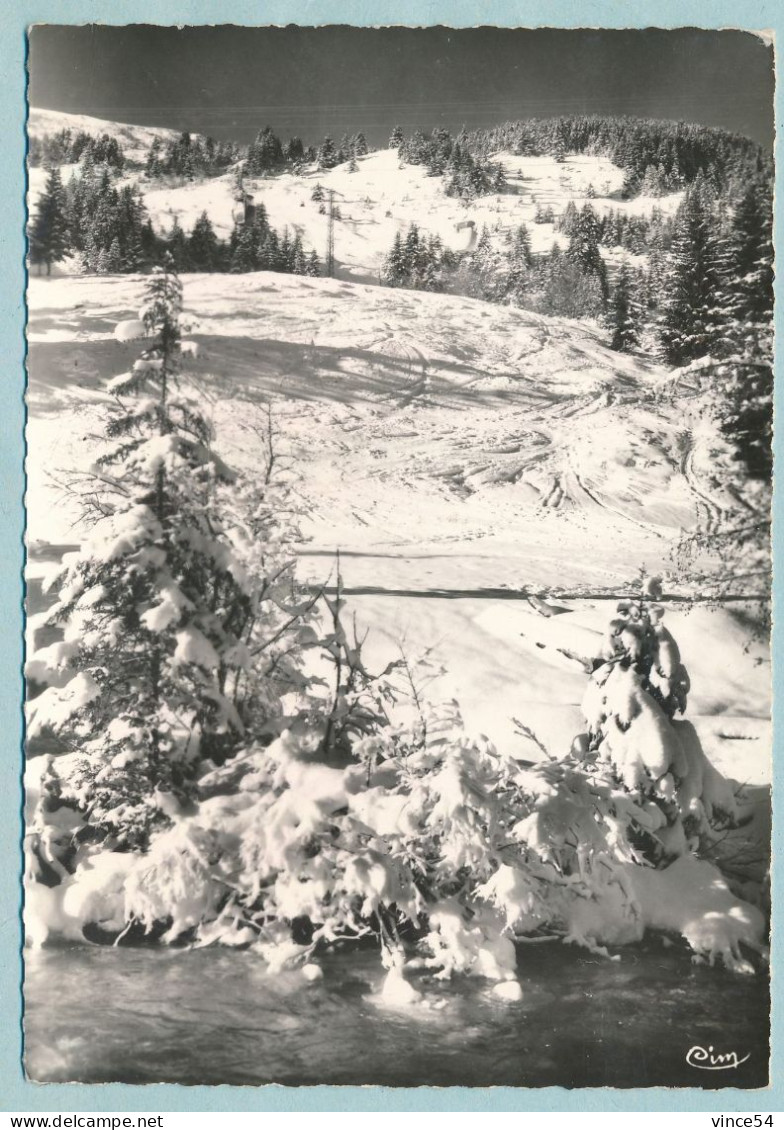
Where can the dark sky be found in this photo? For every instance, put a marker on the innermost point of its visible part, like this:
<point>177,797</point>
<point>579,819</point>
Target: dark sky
<point>230,81</point>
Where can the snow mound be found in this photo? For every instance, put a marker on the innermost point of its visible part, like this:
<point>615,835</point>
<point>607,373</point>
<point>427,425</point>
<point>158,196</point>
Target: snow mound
<point>130,330</point>
<point>692,898</point>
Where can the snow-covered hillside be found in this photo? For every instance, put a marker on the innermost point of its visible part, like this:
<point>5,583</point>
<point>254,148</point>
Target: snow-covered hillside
<point>461,455</point>
<point>135,140</point>
<point>458,454</point>
<point>383,197</point>
<point>418,417</point>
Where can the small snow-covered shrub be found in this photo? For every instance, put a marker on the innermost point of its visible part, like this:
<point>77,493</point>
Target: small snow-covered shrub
<point>638,686</point>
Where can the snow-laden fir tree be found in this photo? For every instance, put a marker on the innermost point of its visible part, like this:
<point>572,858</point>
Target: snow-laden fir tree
<point>113,257</point>
<point>688,309</point>
<point>154,162</point>
<point>656,272</point>
<point>265,154</point>
<point>327,154</point>
<point>415,262</point>
<point>48,231</point>
<point>744,342</point>
<point>394,271</point>
<point>568,219</point>
<point>204,250</point>
<point>313,265</point>
<point>158,609</point>
<point>518,266</point>
<point>396,138</point>
<point>294,151</point>
<point>583,247</point>
<point>558,148</point>
<point>624,313</point>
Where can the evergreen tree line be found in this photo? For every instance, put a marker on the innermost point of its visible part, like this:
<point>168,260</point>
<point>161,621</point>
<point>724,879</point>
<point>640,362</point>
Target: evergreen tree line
<point>106,227</point>
<point>418,262</point>
<point>348,149</point>
<point>571,283</point>
<point>110,231</point>
<point>704,299</point>
<point>252,246</point>
<point>707,293</point>
<point>190,157</point>
<point>636,234</point>
<point>268,154</point>
<point>257,246</point>
<point>69,147</point>
<point>656,156</point>
<point>716,310</point>
<point>468,175</point>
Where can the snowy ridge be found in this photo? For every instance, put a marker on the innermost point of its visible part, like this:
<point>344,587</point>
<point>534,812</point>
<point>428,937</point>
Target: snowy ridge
<point>376,202</point>
<point>134,139</point>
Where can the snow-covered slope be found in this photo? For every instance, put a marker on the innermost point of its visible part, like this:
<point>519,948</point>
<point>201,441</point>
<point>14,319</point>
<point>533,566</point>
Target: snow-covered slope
<point>459,454</point>
<point>380,199</point>
<point>384,196</point>
<point>417,418</point>
<point>135,140</point>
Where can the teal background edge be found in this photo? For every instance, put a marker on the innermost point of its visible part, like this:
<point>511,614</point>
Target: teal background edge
<point>16,1093</point>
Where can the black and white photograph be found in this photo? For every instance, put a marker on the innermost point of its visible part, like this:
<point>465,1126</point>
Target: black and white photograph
<point>398,587</point>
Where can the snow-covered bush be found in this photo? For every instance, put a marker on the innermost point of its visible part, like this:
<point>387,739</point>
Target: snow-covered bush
<point>443,849</point>
<point>630,704</point>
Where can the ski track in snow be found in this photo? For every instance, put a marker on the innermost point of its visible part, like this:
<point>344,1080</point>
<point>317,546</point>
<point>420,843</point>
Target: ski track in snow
<point>422,419</point>
<point>712,510</point>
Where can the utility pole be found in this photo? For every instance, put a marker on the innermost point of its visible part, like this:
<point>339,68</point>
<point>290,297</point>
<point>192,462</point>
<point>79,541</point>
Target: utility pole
<point>330,264</point>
